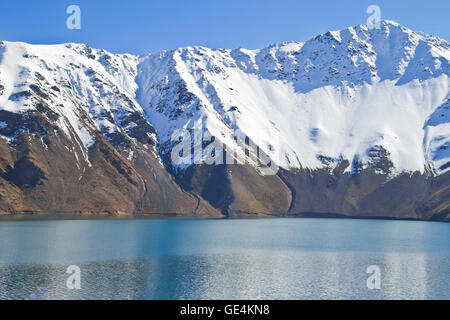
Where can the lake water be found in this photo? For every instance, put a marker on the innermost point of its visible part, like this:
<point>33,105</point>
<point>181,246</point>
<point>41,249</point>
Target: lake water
<point>225,259</point>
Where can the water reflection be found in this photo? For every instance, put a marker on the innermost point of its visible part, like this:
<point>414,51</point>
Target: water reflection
<point>281,275</point>
<point>237,259</point>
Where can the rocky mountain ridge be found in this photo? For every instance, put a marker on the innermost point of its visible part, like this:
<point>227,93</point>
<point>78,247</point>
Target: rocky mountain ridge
<point>355,120</point>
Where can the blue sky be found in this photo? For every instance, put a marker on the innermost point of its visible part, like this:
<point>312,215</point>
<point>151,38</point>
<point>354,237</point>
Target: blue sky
<point>142,26</point>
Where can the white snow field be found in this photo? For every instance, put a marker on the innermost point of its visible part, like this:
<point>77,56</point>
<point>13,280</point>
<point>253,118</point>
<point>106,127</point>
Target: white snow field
<point>306,104</point>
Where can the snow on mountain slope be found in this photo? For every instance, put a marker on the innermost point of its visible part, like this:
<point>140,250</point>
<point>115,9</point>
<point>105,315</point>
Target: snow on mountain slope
<point>340,96</point>
<point>89,90</point>
<point>345,95</point>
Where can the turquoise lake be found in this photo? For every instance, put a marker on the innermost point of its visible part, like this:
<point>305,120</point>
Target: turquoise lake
<point>225,259</point>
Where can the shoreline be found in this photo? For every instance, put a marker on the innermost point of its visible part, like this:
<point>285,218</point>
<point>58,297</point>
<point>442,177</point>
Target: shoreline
<point>119,217</point>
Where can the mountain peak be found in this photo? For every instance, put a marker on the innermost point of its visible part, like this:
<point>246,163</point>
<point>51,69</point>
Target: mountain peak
<point>342,103</point>
<point>390,23</point>
<point>230,87</point>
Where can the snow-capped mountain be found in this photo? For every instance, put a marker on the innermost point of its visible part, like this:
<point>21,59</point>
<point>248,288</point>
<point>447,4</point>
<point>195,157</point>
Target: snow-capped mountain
<point>342,104</point>
<point>315,103</point>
